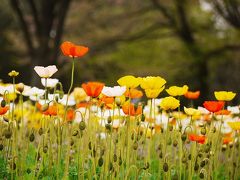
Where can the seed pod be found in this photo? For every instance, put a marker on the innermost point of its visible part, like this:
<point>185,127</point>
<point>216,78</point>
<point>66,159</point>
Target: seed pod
<point>3,103</point>
<point>202,163</point>
<point>135,145</point>
<point>31,137</point>
<point>44,107</point>
<point>8,133</point>
<point>201,175</point>
<point>183,137</point>
<point>45,149</point>
<point>40,131</point>
<point>143,118</point>
<point>175,143</point>
<point>100,161</point>
<point>165,167</point>
<point>203,131</point>
<point>109,119</point>
<point>115,158</point>
<point>1,147</point>
<point>75,133</point>
<point>196,166</point>
<point>82,125</point>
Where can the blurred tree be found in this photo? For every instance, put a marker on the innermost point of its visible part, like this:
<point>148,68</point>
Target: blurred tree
<point>42,25</point>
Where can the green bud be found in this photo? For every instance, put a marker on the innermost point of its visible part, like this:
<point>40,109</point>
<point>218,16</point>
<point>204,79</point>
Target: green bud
<point>75,133</point>
<point>165,167</point>
<point>1,147</point>
<point>31,137</point>
<point>203,131</point>
<point>3,103</point>
<point>8,133</point>
<point>44,107</point>
<point>45,149</point>
<point>82,125</point>
<point>100,161</point>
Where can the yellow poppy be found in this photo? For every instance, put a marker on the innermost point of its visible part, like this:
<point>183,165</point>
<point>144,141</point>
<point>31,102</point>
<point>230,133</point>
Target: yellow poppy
<point>153,93</point>
<point>234,125</point>
<point>177,91</point>
<point>79,94</point>
<point>129,81</point>
<point>169,103</point>
<point>224,95</point>
<point>192,111</point>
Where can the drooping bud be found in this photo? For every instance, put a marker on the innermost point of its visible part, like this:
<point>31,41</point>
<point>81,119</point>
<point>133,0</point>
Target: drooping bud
<point>44,107</point>
<point>82,125</point>
<point>20,87</point>
<point>3,103</point>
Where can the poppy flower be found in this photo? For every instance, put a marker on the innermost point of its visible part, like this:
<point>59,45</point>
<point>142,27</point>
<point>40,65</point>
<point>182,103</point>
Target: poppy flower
<point>70,115</point>
<point>168,103</point>
<point>113,91</point>
<point>129,81</point>
<point>130,109</point>
<point>234,125</point>
<point>227,140</point>
<point>192,95</point>
<point>197,138</point>
<point>93,89</point>
<point>3,110</point>
<point>213,106</point>
<point>82,105</point>
<point>72,50</point>
<point>107,101</point>
<point>133,93</point>
<point>177,91</point>
<point>45,72</point>
<point>51,111</point>
<point>192,111</point>
<point>223,112</point>
<point>224,95</point>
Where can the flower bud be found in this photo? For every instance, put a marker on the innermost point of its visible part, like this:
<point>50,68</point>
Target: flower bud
<point>203,131</point>
<point>109,120</point>
<point>45,149</point>
<point>44,107</point>
<point>175,143</point>
<point>82,125</point>
<point>201,175</point>
<point>40,131</point>
<point>75,133</point>
<point>135,145</point>
<point>183,137</point>
<point>8,134</point>
<point>1,147</point>
<point>165,167</point>
<point>3,103</point>
<point>20,87</point>
<point>31,137</point>
<point>100,161</point>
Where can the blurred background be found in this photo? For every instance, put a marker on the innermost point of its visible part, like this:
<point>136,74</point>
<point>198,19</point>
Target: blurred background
<point>193,42</point>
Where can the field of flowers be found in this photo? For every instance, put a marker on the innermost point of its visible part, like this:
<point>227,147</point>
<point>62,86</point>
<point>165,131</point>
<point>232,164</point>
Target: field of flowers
<point>100,132</point>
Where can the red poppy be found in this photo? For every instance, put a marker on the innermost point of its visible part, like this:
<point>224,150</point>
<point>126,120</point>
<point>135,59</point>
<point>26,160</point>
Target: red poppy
<point>3,110</point>
<point>213,106</point>
<point>51,111</point>
<point>130,109</point>
<point>192,95</point>
<point>197,138</point>
<point>93,89</point>
<point>223,112</point>
<point>72,50</point>
<point>70,115</point>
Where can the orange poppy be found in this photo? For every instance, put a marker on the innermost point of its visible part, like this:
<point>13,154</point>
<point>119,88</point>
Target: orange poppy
<point>223,112</point>
<point>213,106</point>
<point>82,105</point>
<point>51,111</point>
<point>192,95</point>
<point>197,138</point>
<point>227,140</point>
<point>70,115</point>
<point>133,93</point>
<point>72,50</point>
<point>130,109</point>
<point>93,89</point>
<point>3,110</point>
<point>107,101</point>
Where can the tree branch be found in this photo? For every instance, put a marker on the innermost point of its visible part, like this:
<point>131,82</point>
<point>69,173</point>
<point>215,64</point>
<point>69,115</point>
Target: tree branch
<point>16,7</point>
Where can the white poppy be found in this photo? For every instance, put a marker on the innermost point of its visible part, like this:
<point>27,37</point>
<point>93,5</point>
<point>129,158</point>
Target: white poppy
<point>113,91</point>
<point>34,91</point>
<point>71,100</point>
<point>45,72</point>
<point>6,89</point>
<point>50,82</point>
